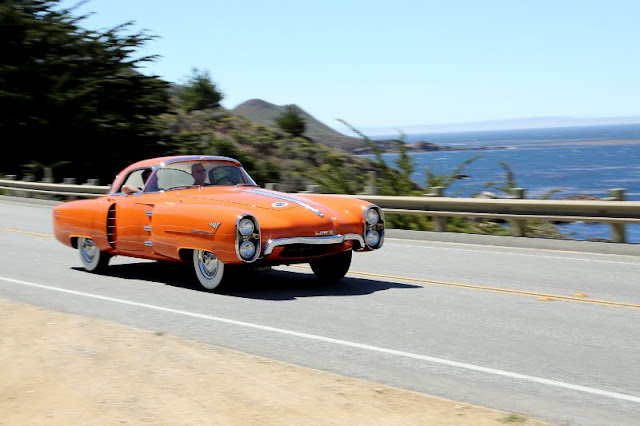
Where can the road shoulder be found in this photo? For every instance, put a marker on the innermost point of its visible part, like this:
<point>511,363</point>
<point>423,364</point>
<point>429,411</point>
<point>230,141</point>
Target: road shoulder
<point>67,369</point>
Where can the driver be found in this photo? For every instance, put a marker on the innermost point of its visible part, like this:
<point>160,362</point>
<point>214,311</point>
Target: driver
<point>199,174</point>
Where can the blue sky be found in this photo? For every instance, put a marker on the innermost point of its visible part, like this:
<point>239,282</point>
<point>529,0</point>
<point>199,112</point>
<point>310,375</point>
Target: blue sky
<point>399,63</point>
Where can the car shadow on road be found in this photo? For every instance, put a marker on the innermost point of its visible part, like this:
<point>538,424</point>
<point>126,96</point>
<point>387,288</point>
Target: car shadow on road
<point>287,285</point>
<point>276,285</point>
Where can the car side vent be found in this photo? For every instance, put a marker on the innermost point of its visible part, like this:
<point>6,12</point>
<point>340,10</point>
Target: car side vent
<point>111,226</point>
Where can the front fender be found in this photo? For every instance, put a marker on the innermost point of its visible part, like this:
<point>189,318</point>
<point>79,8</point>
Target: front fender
<point>176,228</point>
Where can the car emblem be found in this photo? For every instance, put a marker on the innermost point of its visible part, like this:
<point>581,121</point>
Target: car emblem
<point>279,204</point>
<point>214,225</point>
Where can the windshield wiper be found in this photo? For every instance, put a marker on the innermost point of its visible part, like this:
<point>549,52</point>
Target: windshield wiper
<point>180,187</point>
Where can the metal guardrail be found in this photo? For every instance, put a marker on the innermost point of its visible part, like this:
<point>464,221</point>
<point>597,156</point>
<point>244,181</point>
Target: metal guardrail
<point>516,211</point>
<point>23,188</point>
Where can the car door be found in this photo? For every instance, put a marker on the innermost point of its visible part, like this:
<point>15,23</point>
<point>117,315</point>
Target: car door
<point>130,221</point>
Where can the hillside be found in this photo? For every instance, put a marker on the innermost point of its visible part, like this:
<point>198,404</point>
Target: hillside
<point>268,153</point>
<point>265,113</point>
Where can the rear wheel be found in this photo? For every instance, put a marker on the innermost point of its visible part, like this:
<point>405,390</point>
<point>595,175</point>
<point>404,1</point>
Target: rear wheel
<point>332,268</point>
<point>93,260</point>
<point>209,269</point>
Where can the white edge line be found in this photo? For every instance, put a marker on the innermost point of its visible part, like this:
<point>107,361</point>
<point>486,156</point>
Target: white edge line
<point>466,366</point>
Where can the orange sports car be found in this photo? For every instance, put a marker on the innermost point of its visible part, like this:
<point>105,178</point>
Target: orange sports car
<point>207,210</point>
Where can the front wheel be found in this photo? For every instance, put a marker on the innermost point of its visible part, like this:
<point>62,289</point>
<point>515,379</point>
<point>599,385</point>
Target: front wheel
<point>93,260</point>
<point>209,269</point>
<point>332,268</point>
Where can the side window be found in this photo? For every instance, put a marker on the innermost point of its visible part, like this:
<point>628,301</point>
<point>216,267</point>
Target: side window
<point>134,180</point>
<point>226,175</point>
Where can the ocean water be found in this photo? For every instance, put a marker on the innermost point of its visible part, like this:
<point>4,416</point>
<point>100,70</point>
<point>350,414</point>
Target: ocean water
<point>573,161</point>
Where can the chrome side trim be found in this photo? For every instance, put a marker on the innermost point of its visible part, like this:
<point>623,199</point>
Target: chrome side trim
<point>331,239</point>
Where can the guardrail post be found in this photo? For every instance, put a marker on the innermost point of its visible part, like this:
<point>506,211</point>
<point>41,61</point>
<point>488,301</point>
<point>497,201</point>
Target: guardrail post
<point>617,194</point>
<point>436,191</point>
<point>47,178</point>
<point>12,192</point>
<point>270,186</point>
<point>28,178</point>
<point>439,222</point>
<point>70,181</point>
<point>618,230</point>
<point>518,193</point>
<point>94,182</point>
<point>48,175</point>
<point>313,189</point>
<point>518,227</point>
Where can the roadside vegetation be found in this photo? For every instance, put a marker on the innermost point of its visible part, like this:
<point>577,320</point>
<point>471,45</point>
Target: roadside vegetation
<point>75,103</point>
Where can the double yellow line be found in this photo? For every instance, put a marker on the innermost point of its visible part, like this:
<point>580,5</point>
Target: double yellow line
<point>18,231</point>
<point>579,298</point>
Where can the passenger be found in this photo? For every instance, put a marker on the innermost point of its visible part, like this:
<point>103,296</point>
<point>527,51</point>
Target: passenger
<point>130,189</point>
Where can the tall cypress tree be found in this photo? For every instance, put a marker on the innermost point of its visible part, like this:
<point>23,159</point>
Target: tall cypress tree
<point>72,95</point>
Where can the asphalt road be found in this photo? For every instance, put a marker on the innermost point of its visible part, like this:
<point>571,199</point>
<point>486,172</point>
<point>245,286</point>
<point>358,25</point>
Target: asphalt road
<point>544,333</point>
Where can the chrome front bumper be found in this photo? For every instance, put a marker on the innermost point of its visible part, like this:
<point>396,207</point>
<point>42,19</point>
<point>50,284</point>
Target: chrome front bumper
<point>329,239</point>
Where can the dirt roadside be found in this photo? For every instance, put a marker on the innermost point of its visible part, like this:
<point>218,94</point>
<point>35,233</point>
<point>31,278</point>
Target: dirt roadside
<point>61,369</point>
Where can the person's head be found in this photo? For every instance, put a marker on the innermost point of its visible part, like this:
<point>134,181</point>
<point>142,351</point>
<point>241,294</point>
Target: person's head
<point>199,173</point>
<point>145,175</point>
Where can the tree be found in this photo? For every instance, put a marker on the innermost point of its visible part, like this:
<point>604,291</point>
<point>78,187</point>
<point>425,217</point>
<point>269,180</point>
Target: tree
<point>445,181</point>
<point>291,122</point>
<point>74,95</point>
<point>199,92</point>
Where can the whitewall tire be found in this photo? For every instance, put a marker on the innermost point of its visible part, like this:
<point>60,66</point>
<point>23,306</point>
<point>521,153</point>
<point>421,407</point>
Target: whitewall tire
<point>93,260</point>
<point>209,269</point>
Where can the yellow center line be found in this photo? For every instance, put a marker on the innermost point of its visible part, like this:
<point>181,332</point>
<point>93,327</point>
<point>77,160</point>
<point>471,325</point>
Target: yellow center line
<point>18,231</point>
<point>425,281</point>
<point>541,296</point>
<point>504,290</point>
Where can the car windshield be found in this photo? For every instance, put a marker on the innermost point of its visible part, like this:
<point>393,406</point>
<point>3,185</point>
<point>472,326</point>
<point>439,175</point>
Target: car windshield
<point>187,174</point>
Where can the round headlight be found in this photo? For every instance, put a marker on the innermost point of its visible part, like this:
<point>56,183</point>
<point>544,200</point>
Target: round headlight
<point>373,238</point>
<point>247,250</point>
<point>372,216</point>
<point>246,227</point>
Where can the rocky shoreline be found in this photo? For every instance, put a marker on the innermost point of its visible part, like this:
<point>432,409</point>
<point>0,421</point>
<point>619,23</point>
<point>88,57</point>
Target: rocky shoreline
<point>391,146</point>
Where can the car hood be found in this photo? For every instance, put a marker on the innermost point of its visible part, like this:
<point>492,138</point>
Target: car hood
<point>256,198</point>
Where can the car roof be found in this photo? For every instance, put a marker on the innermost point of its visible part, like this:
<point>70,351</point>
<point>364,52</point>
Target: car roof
<point>161,161</point>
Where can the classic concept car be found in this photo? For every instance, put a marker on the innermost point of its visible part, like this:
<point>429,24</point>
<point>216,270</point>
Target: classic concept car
<point>207,210</point>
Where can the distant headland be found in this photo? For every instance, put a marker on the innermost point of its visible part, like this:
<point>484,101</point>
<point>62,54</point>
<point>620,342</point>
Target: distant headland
<point>265,113</point>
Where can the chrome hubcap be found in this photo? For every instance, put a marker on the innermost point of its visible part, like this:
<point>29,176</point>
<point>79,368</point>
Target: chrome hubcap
<point>209,264</point>
<point>88,249</point>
